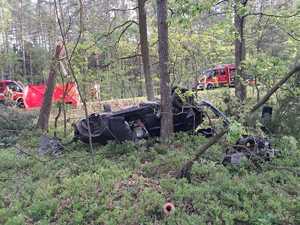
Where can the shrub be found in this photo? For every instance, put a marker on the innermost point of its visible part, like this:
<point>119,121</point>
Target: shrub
<point>13,122</point>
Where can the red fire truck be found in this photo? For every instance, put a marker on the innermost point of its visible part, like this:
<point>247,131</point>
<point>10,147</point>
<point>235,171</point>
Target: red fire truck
<point>220,75</point>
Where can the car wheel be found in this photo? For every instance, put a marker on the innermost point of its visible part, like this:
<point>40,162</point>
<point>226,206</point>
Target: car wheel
<point>20,103</point>
<point>209,86</point>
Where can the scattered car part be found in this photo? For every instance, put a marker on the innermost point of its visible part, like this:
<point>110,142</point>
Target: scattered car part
<point>250,148</point>
<point>50,146</point>
<point>266,118</point>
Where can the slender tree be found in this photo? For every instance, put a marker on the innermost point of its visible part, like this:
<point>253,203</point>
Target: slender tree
<point>165,89</point>
<point>240,49</point>
<point>145,49</point>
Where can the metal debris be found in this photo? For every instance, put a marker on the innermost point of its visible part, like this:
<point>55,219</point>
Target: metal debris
<point>50,146</point>
<point>252,148</point>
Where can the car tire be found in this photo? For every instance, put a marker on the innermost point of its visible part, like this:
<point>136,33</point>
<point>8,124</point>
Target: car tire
<point>209,87</point>
<point>20,103</point>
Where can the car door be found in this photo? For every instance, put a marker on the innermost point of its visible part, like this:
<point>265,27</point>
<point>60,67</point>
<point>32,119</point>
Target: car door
<point>231,76</point>
<point>222,77</point>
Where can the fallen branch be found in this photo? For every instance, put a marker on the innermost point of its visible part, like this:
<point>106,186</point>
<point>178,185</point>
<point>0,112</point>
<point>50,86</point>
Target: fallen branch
<point>118,59</point>
<point>185,171</point>
<point>275,88</point>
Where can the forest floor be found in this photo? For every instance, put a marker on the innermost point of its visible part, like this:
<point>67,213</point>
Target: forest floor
<point>130,183</point>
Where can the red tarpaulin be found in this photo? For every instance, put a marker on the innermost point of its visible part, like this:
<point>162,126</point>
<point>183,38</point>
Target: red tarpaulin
<point>34,94</point>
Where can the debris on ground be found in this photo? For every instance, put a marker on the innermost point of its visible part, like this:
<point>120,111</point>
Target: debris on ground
<point>252,148</point>
<point>50,146</point>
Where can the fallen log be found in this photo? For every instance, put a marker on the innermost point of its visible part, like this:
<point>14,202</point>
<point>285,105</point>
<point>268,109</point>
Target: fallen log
<point>185,171</point>
<point>275,88</point>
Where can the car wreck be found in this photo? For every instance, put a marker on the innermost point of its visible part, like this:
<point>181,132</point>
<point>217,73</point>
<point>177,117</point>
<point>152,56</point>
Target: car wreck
<point>143,121</point>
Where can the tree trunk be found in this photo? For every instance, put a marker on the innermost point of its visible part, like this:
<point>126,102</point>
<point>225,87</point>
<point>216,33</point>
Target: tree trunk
<point>145,49</point>
<point>165,89</point>
<point>44,115</point>
<point>240,51</point>
<point>22,42</point>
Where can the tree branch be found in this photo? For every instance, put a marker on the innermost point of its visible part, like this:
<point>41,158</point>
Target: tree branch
<point>271,15</point>
<point>69,62</point>
<point>121,58</point>
<point>121,10</point>
<point>275,88</point>
<point>81,30</point>
<point>112,31</point>
<point>123,32</point>
<point>293,36</point>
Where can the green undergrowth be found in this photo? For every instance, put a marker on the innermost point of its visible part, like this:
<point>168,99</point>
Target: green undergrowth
<point>130,183</point>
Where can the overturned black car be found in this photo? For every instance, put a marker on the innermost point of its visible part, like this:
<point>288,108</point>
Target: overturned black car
<point>143,121</point>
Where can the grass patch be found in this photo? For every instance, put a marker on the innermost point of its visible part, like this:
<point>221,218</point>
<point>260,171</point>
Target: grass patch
<point>130,183</point>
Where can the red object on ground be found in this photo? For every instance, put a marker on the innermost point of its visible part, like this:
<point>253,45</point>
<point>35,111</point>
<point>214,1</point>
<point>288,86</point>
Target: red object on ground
<point>168,208</point>
<point>34,94</point>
